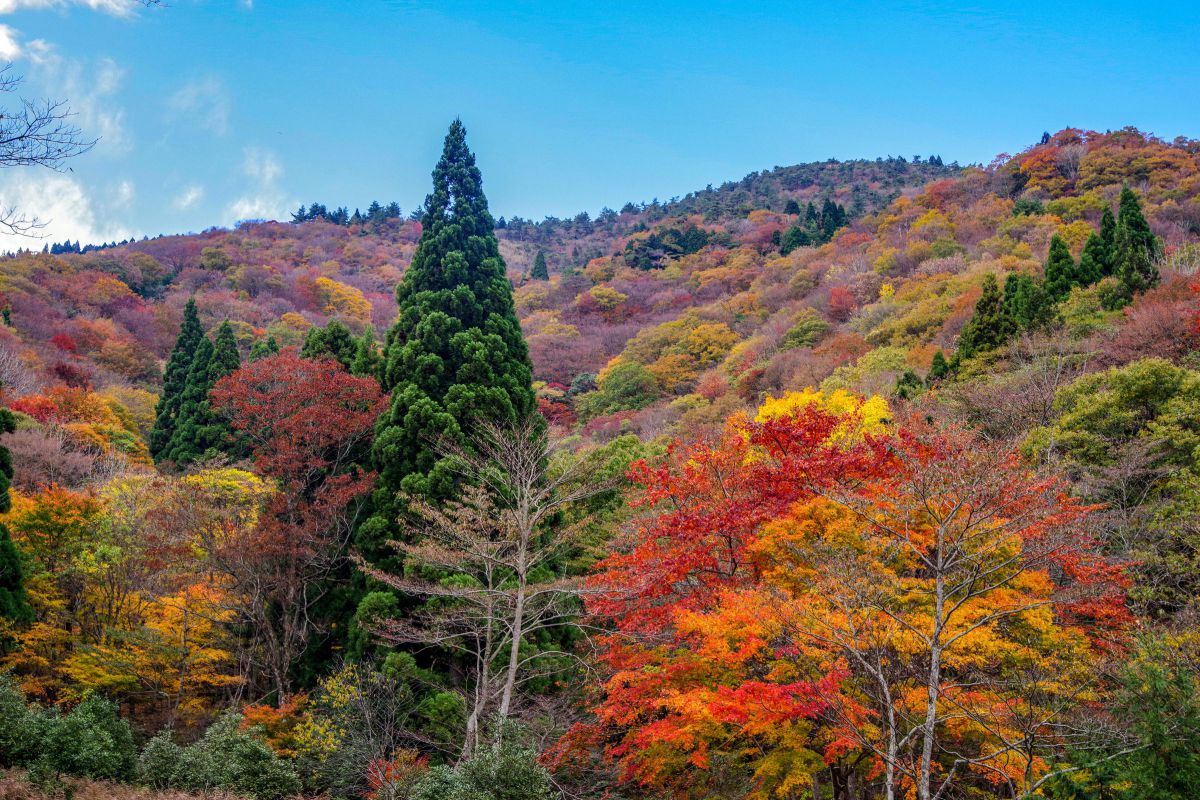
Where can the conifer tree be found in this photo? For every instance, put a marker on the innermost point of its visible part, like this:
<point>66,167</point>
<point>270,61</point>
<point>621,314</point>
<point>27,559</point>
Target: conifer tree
<point>1108,237</point>
<point>1026,302</point>
<point>539,272</point>
<point>166,412</point>
<point>1136,247</point>
<point>1094,260</point>
<point>455,353</point>
<point>199,432</point>
<point>367,359</point>
<point>1061,274</point>
<point>939,368</point>
<point>334,340</point>
<point>990,327</point>
<point>263,348</point>
<point>14,606</point>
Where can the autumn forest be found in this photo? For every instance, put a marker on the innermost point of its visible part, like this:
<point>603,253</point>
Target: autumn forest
<point>850,480</point>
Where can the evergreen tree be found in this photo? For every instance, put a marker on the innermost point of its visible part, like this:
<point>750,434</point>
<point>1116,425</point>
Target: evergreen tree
<point>367,359</point>
<point>791,207</point>
<point>1026,302</point>
<point>1094,263</point>
<point>1061,275</point>
<point>1135,248</point>
<point>13,604</point>
<point>939,368</point>
<point>263,348</point>
<point>539,272</point>
<point>455,353</point>
<point>166,412</point>
<point>200,433</point>
<point>1108,237</point>
<point>334,340</point>
<point>990,327</point>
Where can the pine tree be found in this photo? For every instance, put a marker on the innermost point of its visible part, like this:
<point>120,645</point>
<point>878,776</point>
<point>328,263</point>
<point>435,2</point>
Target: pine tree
<point>1061,274</point>
<point>334,340</point>
<point>939,368</point>
<point>175,380</point>
<point>1026,302</point>
<point>539,272</point>
<point>990,327</point>
<point>1135,248</point>
<point>455,354</point>
<point>262,348</point>
<point>1094,260</point>
<point>200,433</point>
<point>1108,237</point>
<point>367,359</point>
<point>14,606</point>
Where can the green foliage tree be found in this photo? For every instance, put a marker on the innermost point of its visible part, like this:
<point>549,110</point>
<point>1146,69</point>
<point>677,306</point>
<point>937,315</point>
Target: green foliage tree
<point>1135,247</point>
<point>334,340</point>
<point>14,605</point>
<point>166,412</point>
<point>1026,302</point>
<point>199,433</point>
<point>367,358</point>
<point>263,348</point>
<point>1061,271</point>
<point>990,327</point>
<point>539,272</point>
<point>1095,261</point>
<point>455,353</point>
<point>1108,235</point>
<point>939,368</point>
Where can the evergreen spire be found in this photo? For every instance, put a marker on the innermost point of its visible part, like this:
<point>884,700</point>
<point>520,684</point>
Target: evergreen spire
<point>14,606</point>
<point>367,359</point>
<point>455,353</point>
<point>1026,302</point>
<point>990,327</point>
<point>1136,247</point>
<point>200,433</point>
<point>175,376</point>
<point>540,272</point>
<point>1060,270</point>
<point>1108,238</point>
<point>1094,262</point>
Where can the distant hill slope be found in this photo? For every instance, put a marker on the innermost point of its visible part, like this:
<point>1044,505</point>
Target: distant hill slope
<point>659,315</point>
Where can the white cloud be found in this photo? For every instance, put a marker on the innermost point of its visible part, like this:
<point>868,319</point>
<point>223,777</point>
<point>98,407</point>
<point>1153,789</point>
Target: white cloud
<point>65,207</point>
<point>10,48</point>
<point>265,200</point>
<point>123,194</point>
<point>91,89</point>
<point>188,198</point>
<point>118,8</point>
<point>204,102</point>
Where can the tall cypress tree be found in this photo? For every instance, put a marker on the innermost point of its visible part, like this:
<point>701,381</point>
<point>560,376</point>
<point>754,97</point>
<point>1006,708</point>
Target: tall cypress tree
<point>166,413</point>
<point>1060,270</point>
<point>200,433</point>
<point>1094,260</point>
<point>1108,237</point>
<point>990,327</point>
<point>455,353</point>
<point>1026,302</point>
<point>14,606</point>
<point>1136,247</point>
<point>334,340</point>
<point>539,272</point>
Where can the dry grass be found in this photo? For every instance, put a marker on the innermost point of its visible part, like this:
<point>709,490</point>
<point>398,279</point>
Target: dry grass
<point>14,787</point>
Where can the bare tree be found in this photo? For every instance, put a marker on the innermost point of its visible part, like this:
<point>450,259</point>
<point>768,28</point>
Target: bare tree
<point>496,542</point>
<point>37,133</point>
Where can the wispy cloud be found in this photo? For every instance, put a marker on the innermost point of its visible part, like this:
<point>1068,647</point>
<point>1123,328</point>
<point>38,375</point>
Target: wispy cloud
<point>117,8</point>
<point>64,205</point>
<point>10,48</point>
<point>204,102</point>
<point>265,200</point>
<point>92,89</point>
<point>188,198</point>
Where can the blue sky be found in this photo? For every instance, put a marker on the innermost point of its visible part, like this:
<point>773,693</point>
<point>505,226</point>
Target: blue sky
<point>215,110</point>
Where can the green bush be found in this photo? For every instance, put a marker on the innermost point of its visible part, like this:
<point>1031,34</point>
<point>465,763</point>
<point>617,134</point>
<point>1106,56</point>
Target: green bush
<point>18,734</point>
<point>92,742</point>
<point>506,770</point>
<point>226,757</point>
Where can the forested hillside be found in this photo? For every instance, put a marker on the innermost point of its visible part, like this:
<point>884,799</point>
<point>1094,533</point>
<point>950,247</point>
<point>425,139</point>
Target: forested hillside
<point>846,480</point>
